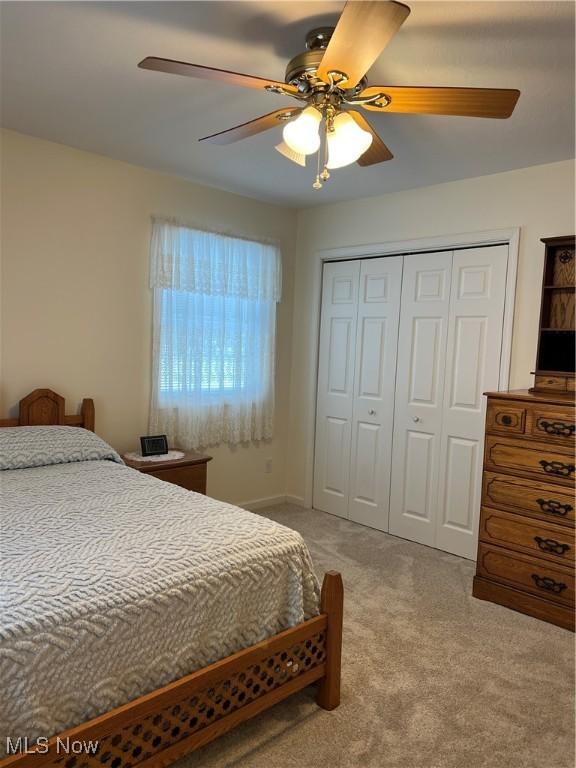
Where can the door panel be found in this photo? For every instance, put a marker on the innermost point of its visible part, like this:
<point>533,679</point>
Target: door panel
<point>335,399</point>
<point>339,372</point>
<point>461,460</point>
<point>373,413</point>
<point>472,367</point>
<point>367,462</point>
<point>337,438</point>
<point>431,284</point>
<point>419,395</point>
<point>417,477</point>
<point>427,336</point>
<point>372,340</point>
<point>470,352</point>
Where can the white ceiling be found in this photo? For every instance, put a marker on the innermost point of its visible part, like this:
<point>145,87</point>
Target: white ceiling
<point>69,75</point>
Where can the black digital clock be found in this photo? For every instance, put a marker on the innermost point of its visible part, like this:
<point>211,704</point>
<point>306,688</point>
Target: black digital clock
<point>154,445</point>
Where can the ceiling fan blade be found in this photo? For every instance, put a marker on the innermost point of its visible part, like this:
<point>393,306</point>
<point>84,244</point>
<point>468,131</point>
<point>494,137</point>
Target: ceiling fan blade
<point>252,127</point>
<point>377,152</point>
<point>210,73</point>
<point>363,31</point>
<point>466,102</point>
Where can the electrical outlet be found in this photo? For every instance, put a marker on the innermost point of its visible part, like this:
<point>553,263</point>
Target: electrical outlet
<point>268,466</point>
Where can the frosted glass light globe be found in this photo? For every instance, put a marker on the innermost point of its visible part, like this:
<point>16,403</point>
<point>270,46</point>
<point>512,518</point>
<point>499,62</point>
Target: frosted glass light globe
<point>347,142</point>
<point>302,135</point>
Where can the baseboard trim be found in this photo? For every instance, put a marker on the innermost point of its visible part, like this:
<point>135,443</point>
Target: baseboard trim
<point>298,501</point>
<point>268,501</point>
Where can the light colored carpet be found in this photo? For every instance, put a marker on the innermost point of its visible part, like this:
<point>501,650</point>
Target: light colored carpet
<point>432,678</point>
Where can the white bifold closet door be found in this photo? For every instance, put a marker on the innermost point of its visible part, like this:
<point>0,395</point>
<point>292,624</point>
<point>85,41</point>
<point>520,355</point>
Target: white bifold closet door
<point>356,378</point>
<point>450,342</point>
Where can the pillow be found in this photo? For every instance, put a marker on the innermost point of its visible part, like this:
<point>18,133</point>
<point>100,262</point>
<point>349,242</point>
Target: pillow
<point>22,447</point>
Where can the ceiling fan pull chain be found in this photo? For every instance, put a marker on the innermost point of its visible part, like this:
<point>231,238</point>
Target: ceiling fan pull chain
<point>325,175</point>
<point>317,184</point>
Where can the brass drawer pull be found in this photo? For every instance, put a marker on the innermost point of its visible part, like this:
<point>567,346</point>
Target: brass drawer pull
<point>553,507</point>
<point>545,582</point>
<point>557,468</point>
<point>552,546</point>
<point>558,428</point>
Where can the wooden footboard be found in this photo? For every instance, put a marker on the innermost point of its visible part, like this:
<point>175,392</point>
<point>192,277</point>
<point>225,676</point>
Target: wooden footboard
<point>156,729</point>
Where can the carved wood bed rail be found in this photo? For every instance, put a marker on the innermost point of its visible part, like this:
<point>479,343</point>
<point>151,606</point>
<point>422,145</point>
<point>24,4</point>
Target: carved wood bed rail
<point>155,729</point>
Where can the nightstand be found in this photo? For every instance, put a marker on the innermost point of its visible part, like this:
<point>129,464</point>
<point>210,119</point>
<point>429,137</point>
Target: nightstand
<point>189,472</point>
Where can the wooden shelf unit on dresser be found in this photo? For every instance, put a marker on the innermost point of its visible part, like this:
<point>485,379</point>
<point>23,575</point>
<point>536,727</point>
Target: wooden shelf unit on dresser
<point>555,359</point>
<point>526,541</point>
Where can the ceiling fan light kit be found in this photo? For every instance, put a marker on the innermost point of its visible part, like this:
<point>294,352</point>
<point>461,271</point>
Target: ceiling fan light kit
<point>302,135</point>
<point>329,81</point>
<point>296,157</point>
<point>347,142</point>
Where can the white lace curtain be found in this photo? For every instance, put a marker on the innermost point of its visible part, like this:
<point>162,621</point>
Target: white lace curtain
<point>214,336</point>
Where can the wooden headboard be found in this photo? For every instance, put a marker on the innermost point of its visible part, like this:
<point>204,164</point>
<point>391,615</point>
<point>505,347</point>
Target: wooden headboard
<point>44,407</point>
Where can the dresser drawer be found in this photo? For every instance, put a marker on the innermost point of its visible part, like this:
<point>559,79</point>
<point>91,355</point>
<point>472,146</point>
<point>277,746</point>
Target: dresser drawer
<point>530,574</point>
<point>550,383</point>
<point>192,478</point>
<point>554,463</point>
<point>524,534</point>
<point>553,424</point>
<point>543,501</point>
<point>505,417</point>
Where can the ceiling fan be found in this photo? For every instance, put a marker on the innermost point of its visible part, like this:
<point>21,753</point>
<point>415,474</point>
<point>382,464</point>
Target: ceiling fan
<point>329,81</point>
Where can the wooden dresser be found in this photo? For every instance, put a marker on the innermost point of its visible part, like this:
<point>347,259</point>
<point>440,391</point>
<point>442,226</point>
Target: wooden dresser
<point>526,541</point>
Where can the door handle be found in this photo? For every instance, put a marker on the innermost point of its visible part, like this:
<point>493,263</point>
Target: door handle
<point>372,412</point>
<point>416,418</point>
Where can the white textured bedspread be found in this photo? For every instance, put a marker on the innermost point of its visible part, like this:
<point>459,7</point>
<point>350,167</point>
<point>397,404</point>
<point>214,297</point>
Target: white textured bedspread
<point>113,583</point>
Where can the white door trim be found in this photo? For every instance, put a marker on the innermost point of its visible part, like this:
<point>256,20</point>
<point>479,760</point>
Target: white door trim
<point>511,237</point>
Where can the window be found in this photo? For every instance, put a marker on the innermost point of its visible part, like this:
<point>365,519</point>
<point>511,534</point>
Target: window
<point>214,336</point>
<point>220,359</point>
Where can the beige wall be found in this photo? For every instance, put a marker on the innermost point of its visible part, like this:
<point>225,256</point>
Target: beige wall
<point>75,306</point>
<point>539,200</point>
<point>75,303</point>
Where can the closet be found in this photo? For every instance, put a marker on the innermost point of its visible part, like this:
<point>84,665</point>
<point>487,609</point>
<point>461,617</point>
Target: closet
<point>408,344</point>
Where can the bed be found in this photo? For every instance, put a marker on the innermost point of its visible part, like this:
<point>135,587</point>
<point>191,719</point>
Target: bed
<point>139,615</point>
